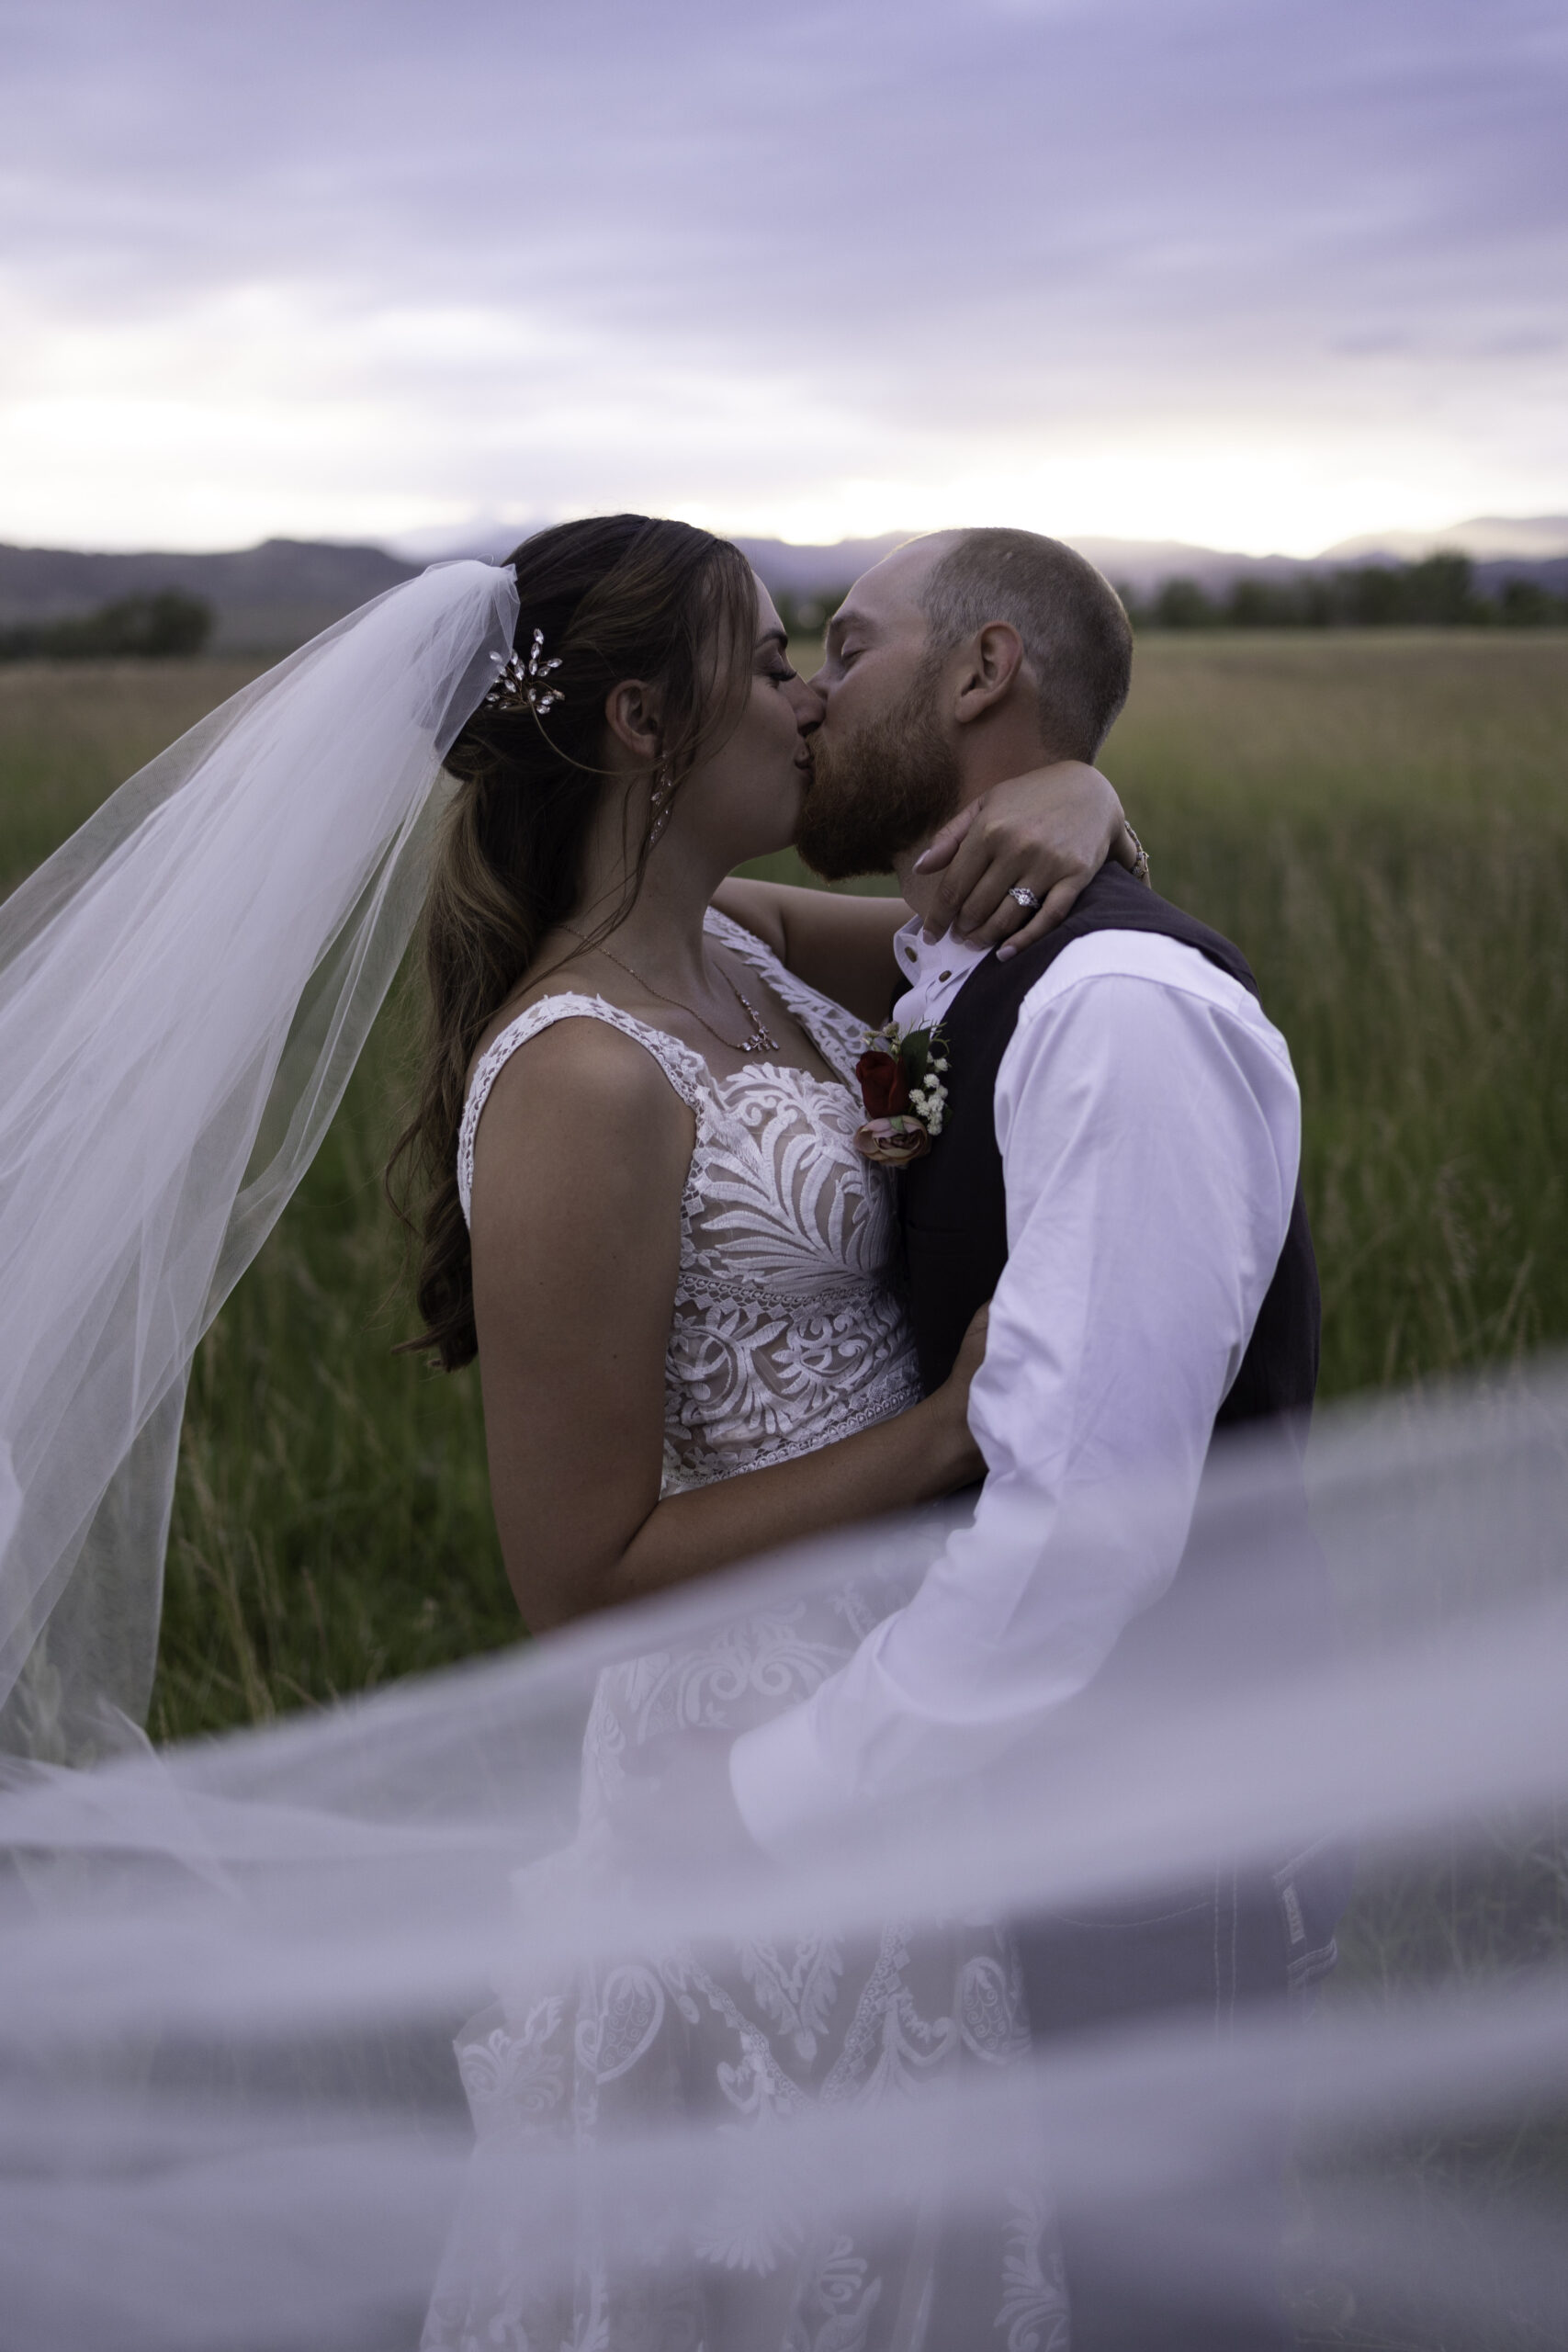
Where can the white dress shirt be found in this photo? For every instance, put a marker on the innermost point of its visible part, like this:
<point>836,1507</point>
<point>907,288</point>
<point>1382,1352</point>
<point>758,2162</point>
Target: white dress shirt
<point>1149,1125</point>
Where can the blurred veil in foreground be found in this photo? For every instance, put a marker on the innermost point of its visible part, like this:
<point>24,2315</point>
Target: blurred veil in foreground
<point>235,1972</point>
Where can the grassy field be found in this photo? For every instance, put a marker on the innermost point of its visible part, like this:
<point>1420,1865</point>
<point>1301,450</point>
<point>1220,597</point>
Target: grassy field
<point>1381,822</point>
<point>1383,826</point>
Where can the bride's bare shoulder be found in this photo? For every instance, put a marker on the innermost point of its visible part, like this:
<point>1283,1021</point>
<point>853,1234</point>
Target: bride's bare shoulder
<point>586,1092</point>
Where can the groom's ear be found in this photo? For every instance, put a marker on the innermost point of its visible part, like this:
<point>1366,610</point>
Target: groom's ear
<point>988,672</point>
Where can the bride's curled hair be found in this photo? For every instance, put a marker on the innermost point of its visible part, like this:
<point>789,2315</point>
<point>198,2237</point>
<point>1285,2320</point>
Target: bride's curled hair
<point>616,597</point>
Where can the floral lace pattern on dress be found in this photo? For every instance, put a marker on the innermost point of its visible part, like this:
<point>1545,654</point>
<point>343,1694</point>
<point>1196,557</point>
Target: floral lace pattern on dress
<point>788,1328</point>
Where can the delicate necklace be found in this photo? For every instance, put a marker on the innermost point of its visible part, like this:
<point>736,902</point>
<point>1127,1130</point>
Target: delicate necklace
<point>759,1035</point>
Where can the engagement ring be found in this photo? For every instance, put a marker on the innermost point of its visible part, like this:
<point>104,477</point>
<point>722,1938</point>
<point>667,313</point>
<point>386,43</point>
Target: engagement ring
<point>1025,896</point>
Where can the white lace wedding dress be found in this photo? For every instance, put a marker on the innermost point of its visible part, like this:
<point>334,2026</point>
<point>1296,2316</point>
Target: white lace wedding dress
<point>788,1332</point>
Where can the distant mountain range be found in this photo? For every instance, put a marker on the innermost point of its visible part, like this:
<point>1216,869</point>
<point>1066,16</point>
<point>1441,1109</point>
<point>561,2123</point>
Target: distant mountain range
<point>272,597</point>
<point>1486,538</point>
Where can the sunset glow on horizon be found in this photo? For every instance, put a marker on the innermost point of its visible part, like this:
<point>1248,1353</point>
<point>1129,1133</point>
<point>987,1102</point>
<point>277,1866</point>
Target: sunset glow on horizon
<point>1258,279</point>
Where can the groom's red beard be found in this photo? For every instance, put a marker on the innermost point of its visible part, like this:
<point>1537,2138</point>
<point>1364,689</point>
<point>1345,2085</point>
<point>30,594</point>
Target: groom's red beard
<point>879,790</point>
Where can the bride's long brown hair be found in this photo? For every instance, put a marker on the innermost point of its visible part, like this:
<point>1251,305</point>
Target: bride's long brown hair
<point>617,597</point>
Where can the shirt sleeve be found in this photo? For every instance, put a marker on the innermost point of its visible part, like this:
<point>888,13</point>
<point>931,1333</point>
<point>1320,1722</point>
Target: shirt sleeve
<point>1149,1127</point>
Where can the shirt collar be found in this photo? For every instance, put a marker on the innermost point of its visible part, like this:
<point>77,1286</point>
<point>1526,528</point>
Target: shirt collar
<point>933,970</point>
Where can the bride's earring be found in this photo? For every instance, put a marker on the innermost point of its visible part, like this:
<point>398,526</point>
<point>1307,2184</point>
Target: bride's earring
<point>662,796</point>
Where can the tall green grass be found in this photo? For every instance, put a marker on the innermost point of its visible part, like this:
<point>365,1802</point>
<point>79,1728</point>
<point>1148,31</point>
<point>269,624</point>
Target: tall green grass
<point>1380,821</point>
<point>1384,829</point>
<point>71,731</point>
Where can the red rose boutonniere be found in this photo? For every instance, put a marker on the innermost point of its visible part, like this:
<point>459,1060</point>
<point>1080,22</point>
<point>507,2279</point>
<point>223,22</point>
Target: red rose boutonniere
<point>900,1084</point>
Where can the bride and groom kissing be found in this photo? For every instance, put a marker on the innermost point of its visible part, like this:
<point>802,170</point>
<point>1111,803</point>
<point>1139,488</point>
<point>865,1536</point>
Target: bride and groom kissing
<point>707,1323</point>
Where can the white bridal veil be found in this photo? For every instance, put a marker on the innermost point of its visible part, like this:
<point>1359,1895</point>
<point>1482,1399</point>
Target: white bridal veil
<point>183,990</point>
<point>231,2118</point>
<point>231,1974</point>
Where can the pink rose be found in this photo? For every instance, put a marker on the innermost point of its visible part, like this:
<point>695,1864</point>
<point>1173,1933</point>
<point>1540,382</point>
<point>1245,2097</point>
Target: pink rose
<point>892,1143</point>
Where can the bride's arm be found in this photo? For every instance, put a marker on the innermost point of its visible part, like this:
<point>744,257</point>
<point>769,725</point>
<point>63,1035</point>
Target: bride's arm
<point>1052,830</point>
<point>580,1162</point>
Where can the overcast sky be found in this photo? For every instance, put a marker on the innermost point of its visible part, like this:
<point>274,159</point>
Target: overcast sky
<point>1247,272</point>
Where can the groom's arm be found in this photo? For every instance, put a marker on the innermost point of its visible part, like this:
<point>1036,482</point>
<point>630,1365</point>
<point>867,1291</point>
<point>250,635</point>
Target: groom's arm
<point>1051,830</point>
<point>1149,1125</point>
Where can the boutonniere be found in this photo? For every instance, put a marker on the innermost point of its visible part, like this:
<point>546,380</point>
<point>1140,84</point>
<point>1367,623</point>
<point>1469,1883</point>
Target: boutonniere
<point>900,1084</point>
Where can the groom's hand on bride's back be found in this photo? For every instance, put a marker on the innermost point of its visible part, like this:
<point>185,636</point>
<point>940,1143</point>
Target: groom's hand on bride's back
<point>1050,830</point>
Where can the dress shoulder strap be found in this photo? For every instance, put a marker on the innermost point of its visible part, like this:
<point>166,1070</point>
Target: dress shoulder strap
<point>838,1036</point>
<point>746,943</point>
<point>684,1068</point>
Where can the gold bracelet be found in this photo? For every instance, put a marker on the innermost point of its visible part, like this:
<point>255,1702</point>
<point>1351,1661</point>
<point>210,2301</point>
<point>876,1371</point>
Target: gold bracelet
<point>1140,857</point>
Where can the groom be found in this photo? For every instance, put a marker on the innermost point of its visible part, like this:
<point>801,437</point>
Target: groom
<point>1117,1172</point>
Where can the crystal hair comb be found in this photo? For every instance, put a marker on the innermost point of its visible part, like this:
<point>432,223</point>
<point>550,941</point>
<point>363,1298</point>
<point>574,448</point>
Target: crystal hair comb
<point>520,684</point>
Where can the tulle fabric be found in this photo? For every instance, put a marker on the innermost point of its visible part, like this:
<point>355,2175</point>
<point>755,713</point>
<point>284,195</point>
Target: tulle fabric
<point>229,2111</point>
<point>183,990</point>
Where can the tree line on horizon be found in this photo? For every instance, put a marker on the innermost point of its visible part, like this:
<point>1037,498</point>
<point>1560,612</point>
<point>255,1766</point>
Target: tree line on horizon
<point>1439,592</point>
<point>158,627</point>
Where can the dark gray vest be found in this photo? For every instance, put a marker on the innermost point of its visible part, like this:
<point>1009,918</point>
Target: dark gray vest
<point>955,1206</point>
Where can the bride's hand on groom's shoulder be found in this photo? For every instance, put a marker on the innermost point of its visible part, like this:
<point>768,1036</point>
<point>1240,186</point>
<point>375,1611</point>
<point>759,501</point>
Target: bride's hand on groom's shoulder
<point>1048,832</point>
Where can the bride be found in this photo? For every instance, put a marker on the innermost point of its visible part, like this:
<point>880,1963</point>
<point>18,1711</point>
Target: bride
<point>647,1217</point>
<point>679,1284</point>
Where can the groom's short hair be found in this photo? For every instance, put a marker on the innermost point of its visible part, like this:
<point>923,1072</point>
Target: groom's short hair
<point>1077,638</point>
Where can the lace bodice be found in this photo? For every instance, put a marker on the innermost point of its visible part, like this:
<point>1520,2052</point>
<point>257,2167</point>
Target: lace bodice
<point>788,1328</point>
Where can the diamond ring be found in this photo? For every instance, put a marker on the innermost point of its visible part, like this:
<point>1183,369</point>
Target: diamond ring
<point>1025,896</point>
